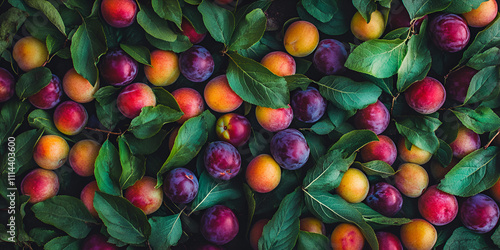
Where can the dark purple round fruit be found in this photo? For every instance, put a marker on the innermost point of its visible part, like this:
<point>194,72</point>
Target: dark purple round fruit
<point>7,85</point>
<point>97,242</point>
<point>289,149</point>
<point>222,160</point>
<point>458,83</point>
<point>308,105</point>
<point>117,68</point>
<point>388,241</point>
<point>196,64</point>
<point>219,225</point>
<point>449,32</point>
<point>330,56</point>
<point>479,213</point>
<point>385,199</point>
<point>180,185</point>
<point>49,96</point>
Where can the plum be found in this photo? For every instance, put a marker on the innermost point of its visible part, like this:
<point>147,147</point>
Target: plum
<point>49,96</point>
<point>308,105</point>
<point>426,96</point>
<point>449,32</point>
<point>222,160</point>
<point>189,31</point>
<point>219,225</point>
<point>385,199</point>
<point>458,83</point>
<point>374,117</point>
<point>479,213</point>
<point>289,148</point>
<point>196,64</point>
<point>233,128</point>
<point>97,242</point>
<point>180,185</point>
<point>388,241</point>
<point>118,68</point>
<point>330,56</point>
<point>383,150</point>
<point>7,85</point>
<point>438,207</point>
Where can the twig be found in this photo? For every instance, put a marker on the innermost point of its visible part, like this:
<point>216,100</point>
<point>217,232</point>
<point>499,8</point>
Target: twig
<point>104,131</point>
<point>492,139</point>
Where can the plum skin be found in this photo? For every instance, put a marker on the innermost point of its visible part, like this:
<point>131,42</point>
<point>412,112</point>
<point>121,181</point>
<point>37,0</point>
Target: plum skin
<point>233,128</point>
<point>219,225</point>
<point>196,64</point>
<point>7,85</point>
<point>449,32</point>
<point>222,160</point>
<point>118,68</point>
<point>180,185</point>
<point>479,213</point>
<point>49,96</point>
<point>330,56</point>
<point>437,207</point>
<point>308,105</point>
<point>289,148</point>
<point>375,117</point>
<point>385,199</point>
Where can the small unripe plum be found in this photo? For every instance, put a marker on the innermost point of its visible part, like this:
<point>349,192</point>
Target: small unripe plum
<point>196,64</point>
<point>437,207</point>
<point>189,31</point>
<point>308,105</point>
<point>411,179</point>
<point>289,148</point>
<point>30,53</point>
<point>82,157</point>
<point>312,225</point>
<point>365,31</point>
<point>87,197</point>
<point>133,98</point>
<point>256,233</point>
<point>458,83</point>
<point>301,38</point>
<point>119,13</point>
<point>220,97</point>
<point>7,85</point>
<point>347,236</point>
<point>354,186</point>
<point>385,199</point>
<point>70,117</point>
<point>117,68</point>
<point>219,225</point>
<point>467,141</point>
<point>49,96</point>
<point>274,120</point>
<point>164,69</point>
<point>97,242</point>
<point>479,213</point>
<point>233,128</point>
<point>374,117</point>
<point>418,234</point>
<point>483,15</point>
<point>222,160</point>
<point>388,241</point>
<point>383,150</point>
<point>190,102</point>
<point>51,152</point>
<point>449,32</point>
<point>144,195</point>
<point>414,155</point>
<point>280,63</point>
<point>426,96</point>
<point>78,88</point>
<point>263,174</point>
<point>40,184</point>
<point>330,56</point>
<point>180,185</point>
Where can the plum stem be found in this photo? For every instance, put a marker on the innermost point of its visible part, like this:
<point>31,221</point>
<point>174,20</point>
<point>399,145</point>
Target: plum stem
<point>393,101</point>
<point>492,139</point>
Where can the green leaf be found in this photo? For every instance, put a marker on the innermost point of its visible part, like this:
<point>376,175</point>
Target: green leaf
<point>282,231</point>
<point>181,44</point>
<point>347,94</point>
<point>33,81</point>
<point>212,192</point>
<point>258,144</point>
<point>487,38</point>
<point>107,169</point>
<point>480,120</point>
<point>133,167</point>
<point>42,235</point>
<point>462,6</point>
<point>323,127</point>
<point>53,44</point>
<point>420,8</point>
<point>50,12</point>
<point>373,216</point>
<point>66,213</point>
<point>365,8</point>
<point>63,243</point>
<point>483,85</point>
<point>351,142</point>
<point>251,204</point>
<point>81,6</point>
<point>490,57</point>
<point>144,146</point>
<point>249,30</point>
<point>220,22</point>
<point>297,81</point>
<point>338,25</point>
<point>322,10</point>
<point>417,61</point>
<point>190,139</point>
<point>463,238</point>
<point>87,45</point>
<point>152,119</point>
<point>308,241</point>
<point>496,237</point>
<point>476,172</point>
<point>255,84</point>
<point>10,21</point>
<point>332,208</point>
<point>316,144</point>
<point>420,131</point>
<point>379,168</point>
<point>169,10</point>
<point>379,58</point>
<point>165,98</point>
<point>40,119</point>
<point>155,25</point>
<point>24,145</point>
<point>165,231</point>
<point>106,109</point>
<point>12,113</point>
<point>327,172</point>
<point>138,52</point>
<point>444,154</point>
<point>122,219</point>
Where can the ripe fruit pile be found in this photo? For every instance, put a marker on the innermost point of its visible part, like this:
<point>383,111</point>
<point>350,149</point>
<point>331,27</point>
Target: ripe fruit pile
<point>200,124</point>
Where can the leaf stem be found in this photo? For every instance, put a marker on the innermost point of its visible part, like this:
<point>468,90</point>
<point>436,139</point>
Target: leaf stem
<point>492,139</point>
<point>394,101</point>
<point>105,131</point>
